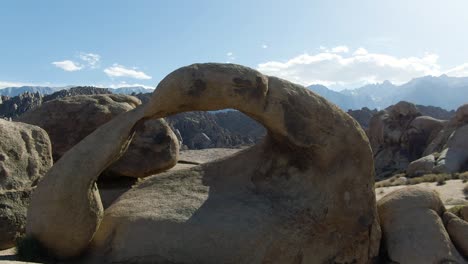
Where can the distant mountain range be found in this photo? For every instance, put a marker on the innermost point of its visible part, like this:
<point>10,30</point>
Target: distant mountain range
<point>443,91</point>
<point>45,90</point>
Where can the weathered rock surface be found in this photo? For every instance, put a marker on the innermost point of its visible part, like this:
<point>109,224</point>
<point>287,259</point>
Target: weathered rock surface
<point>303,195</point>
<point>421,166</point>
<point>155,148</point>
<point>458,230</point>
<point>399,135</point>
<point>412,228</point>
<point>13,207</point>
<point>70,119</point>
<point>25,155</point>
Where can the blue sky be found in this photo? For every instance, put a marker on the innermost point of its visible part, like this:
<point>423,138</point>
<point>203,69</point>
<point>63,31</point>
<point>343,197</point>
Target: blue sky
<point>336,43</point>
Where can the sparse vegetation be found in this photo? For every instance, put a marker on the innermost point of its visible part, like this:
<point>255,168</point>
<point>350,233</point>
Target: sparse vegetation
<point>28,248</point>
<point>455,210</point>
<point>439,178</point>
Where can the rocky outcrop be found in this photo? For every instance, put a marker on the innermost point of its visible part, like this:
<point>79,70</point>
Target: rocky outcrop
<point>400,138</point>
<point>412,228</point>
<point>25,157</point>
<point>389,141</point>
<point>363,116</point>
<point>155,148</point>
<point>12,107</point>
<point>70,119</point>
<point>303,195</point>
<point>200,130</point>
<point>13,207</point>
<point>79,90</point>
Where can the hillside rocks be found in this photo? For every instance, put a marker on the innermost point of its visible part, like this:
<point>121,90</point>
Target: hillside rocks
<point>450,145</point>
<point>412,228</point>
<point>12,107</point>
<point>403,140</point>
<point>200,130</point>
<point>25,156</point>
<point>70,119</point>
<point>303,195</point>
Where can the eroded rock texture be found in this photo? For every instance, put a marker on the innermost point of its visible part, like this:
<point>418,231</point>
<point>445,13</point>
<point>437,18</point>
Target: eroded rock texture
<point>25,157</point>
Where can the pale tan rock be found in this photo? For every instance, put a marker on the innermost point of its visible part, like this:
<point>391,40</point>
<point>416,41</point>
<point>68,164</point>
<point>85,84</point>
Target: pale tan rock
<point>421,166</point>
<point>455,155</point>
<point>412,229</point>
<point>458,230</point>
<point>303,195</point>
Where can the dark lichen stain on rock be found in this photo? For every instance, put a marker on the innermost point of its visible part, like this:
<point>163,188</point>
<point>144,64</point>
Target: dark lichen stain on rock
<point>247,88</point>
<point>197,88</point>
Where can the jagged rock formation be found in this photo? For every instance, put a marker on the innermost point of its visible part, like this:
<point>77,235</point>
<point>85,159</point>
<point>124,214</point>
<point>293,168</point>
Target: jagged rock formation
<point>25,156</point>
<point>201,130</point>
<point>413,231</point>
<point>79,90</point>
<point>303,195</point>
<point>363,116</point>
<point>12,107</point>
<point>69,120</point>
<point>400,135</point>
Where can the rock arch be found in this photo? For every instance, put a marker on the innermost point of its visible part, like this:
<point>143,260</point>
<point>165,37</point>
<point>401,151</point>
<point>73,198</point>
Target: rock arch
<point>305,193</point>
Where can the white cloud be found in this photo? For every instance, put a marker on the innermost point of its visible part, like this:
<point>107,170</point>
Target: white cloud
<point>91,59</point>
<point>353,70</point>
<point>68,65</point>
<point>230,57</point>
<point>121,71</point>
<point>340,49</point>
<point>360,51</point>
<point>264,46</point>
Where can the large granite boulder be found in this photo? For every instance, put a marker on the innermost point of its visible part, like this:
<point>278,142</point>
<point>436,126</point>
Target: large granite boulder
<point>457,228</point>
<point>69,120</point>
<point>25,157</point>
<point>412,228</point>
<point>303,195</point>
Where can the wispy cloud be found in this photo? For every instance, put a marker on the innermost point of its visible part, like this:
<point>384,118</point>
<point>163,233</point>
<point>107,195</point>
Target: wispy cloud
<point>230,57</point>
<point>117,70</point>
<point>340,49</point>
<point>68,65</point>
<point>91,59</point>
<point>337,67</point>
